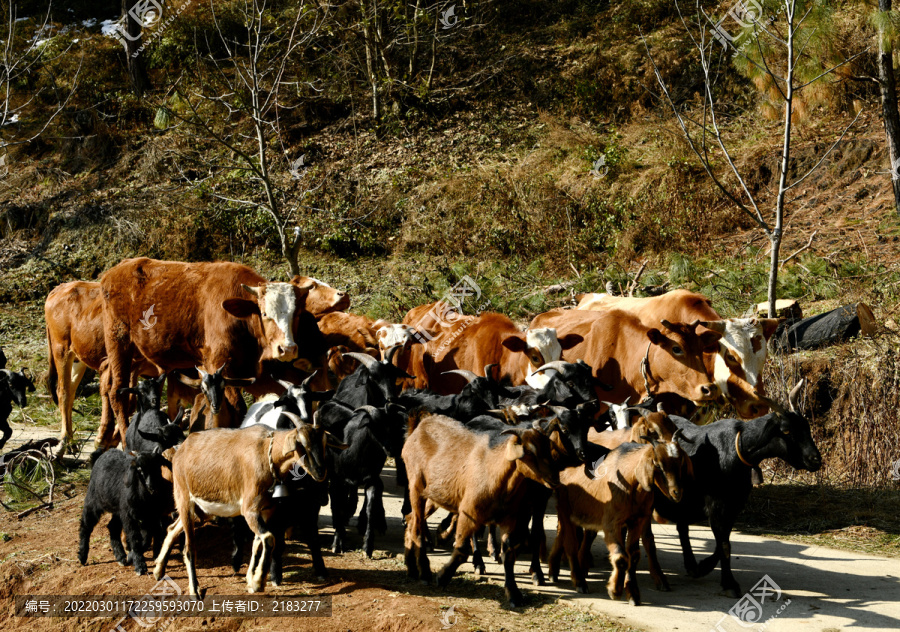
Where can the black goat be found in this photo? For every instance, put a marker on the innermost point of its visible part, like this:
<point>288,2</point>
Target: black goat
<point>152,431</point>
<point>212,386</point>
<point>148,393</point>
<point>572,383</point>
<point>373,383</point>
<point>2,359</point>
<point>13,388</point>
<point>373,434</point>
<point>127,485</point>
<point>478,397</point>
<point>723,455</point>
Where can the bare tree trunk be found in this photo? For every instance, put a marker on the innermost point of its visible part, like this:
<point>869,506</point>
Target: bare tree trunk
<point>775,237</point>
<point>369,40</point>
<point>137,70</point>
<point>888,86</point>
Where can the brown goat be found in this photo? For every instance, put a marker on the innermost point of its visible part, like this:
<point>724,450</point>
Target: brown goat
<point>619,502</point>
<point>478,476</point>
<point>227,473</point>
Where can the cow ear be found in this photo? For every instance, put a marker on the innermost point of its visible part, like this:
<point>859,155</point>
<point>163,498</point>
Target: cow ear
<point>644,473</point>
<point>515,342</point>
<point>240,307</point>
<point>514,448</point>
<point>570,340</point>
<point>655,336</point>
<point>769,326</point>
<point>709,341</point>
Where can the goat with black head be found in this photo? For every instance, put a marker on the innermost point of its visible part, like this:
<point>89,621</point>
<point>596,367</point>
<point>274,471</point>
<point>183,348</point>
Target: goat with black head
<point>221,412</point>
<point>724,455</point>
<point>13,388</point>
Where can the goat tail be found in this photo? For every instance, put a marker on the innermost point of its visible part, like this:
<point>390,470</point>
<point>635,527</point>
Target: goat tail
<point>96,455</point>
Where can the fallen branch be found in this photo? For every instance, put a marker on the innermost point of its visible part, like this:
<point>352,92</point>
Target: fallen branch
<point>633,285</point>
<point>806,247</point>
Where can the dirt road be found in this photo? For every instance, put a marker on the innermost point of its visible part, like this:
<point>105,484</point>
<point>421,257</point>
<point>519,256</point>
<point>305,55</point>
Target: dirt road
<point>822,589</point>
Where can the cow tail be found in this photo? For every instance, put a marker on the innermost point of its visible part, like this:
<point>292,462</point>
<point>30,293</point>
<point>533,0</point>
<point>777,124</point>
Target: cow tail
<point>52,374</point>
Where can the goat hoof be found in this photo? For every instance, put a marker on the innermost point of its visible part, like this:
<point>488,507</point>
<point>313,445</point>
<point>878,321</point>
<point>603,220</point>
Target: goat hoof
<point>582,589</point>
<point>733,592</point>
<point>634,601</point>
<point>537,579</point>
<point>480,571</point>
<point>516,599</point>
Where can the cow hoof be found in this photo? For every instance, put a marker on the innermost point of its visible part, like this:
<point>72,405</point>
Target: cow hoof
<point>516,599</point>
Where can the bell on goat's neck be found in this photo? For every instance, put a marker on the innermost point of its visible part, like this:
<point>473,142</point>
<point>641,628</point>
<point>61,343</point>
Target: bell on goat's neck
<point>281,491</point>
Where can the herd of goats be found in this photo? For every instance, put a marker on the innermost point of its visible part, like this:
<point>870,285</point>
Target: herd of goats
<point>483,420</point>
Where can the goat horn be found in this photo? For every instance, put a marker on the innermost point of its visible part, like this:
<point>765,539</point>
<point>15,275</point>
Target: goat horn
<point>794,396</point>
<point>221,368</point>
<point>488,370</point>
<point>389,356</point>
<point>643,412</point>
<point>469,375</point>
<point>553,425</point>
<point>364,359</point>
<point>201,372</point>
<point>252,290</point>
<point>369,409</point>
<point>285,384</point>
<point>778,408</point>
<point>178,417</point>
<point>557,365</point>
<point>660,408</point>
<point>678,433</point>
<point>306,382</point>
<point>295,419</point>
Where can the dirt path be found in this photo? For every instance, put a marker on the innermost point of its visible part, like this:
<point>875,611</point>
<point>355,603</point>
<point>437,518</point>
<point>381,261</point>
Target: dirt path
<point>828,589</point>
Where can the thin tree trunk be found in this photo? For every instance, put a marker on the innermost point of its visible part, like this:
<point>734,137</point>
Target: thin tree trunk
<point>137,70</point>
<point>775,237</point>
<point>888,85</point>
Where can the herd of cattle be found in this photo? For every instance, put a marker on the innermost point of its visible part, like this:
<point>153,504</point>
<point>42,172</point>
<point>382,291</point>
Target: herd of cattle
<point>483,420</point>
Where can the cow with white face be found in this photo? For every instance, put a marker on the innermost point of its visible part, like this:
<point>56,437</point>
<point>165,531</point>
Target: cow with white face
<point>737,366</point>
<point>541,346</point>
<point>182,315</point>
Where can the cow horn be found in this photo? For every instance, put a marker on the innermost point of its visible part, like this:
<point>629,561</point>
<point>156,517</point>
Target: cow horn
<point>556,365</point>
<point>389,356</point>
<point>488,370</point>
<point>295,419</point>
<point>469,375</point>
<point>714,325</point>
<point>665,323</point>
<point>364,359</point>
<point>253,290</point>
<point>794,396</point>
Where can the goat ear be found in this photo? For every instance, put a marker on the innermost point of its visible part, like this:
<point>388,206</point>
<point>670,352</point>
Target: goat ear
<point>321,396</point>
<point>291,443</point>
<point>187,381</point>
<point>644,472</point>
<point>126,390</point>
<point>333,442</point>
<point>514,448</point>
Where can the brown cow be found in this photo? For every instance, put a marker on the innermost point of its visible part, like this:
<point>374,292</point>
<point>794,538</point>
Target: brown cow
<point>616,343</point>
<point>738,363</point>
<point>182,315</point>
<point>322,298</point>
<point>73,313</point>
<point>473,342</point>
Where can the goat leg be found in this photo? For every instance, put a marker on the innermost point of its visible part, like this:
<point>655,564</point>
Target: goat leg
<point>174,531</point>
<point>338,515</point>
<point>633,546</point>
<point>89,520</point>
<point>477,558</point>
<point>656,572</point>
<point>465,529</point>
<point>585,558</point>
<point>373,502</point>
<point>721,521</point>
<point>136,542</point>
<point>618,558</point>
<point>239,532</point>
<point>690,562</point>
<point>309,529</point>
<point>115,540</point>
<point>508,554</point>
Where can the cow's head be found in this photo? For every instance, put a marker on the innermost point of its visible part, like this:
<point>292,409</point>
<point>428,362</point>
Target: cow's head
<point>740,360</point>
<point>322,298</point>
<point>277,306</point>
<point>541,346</point>
<point>678,365</point>
<point>391,335</point>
